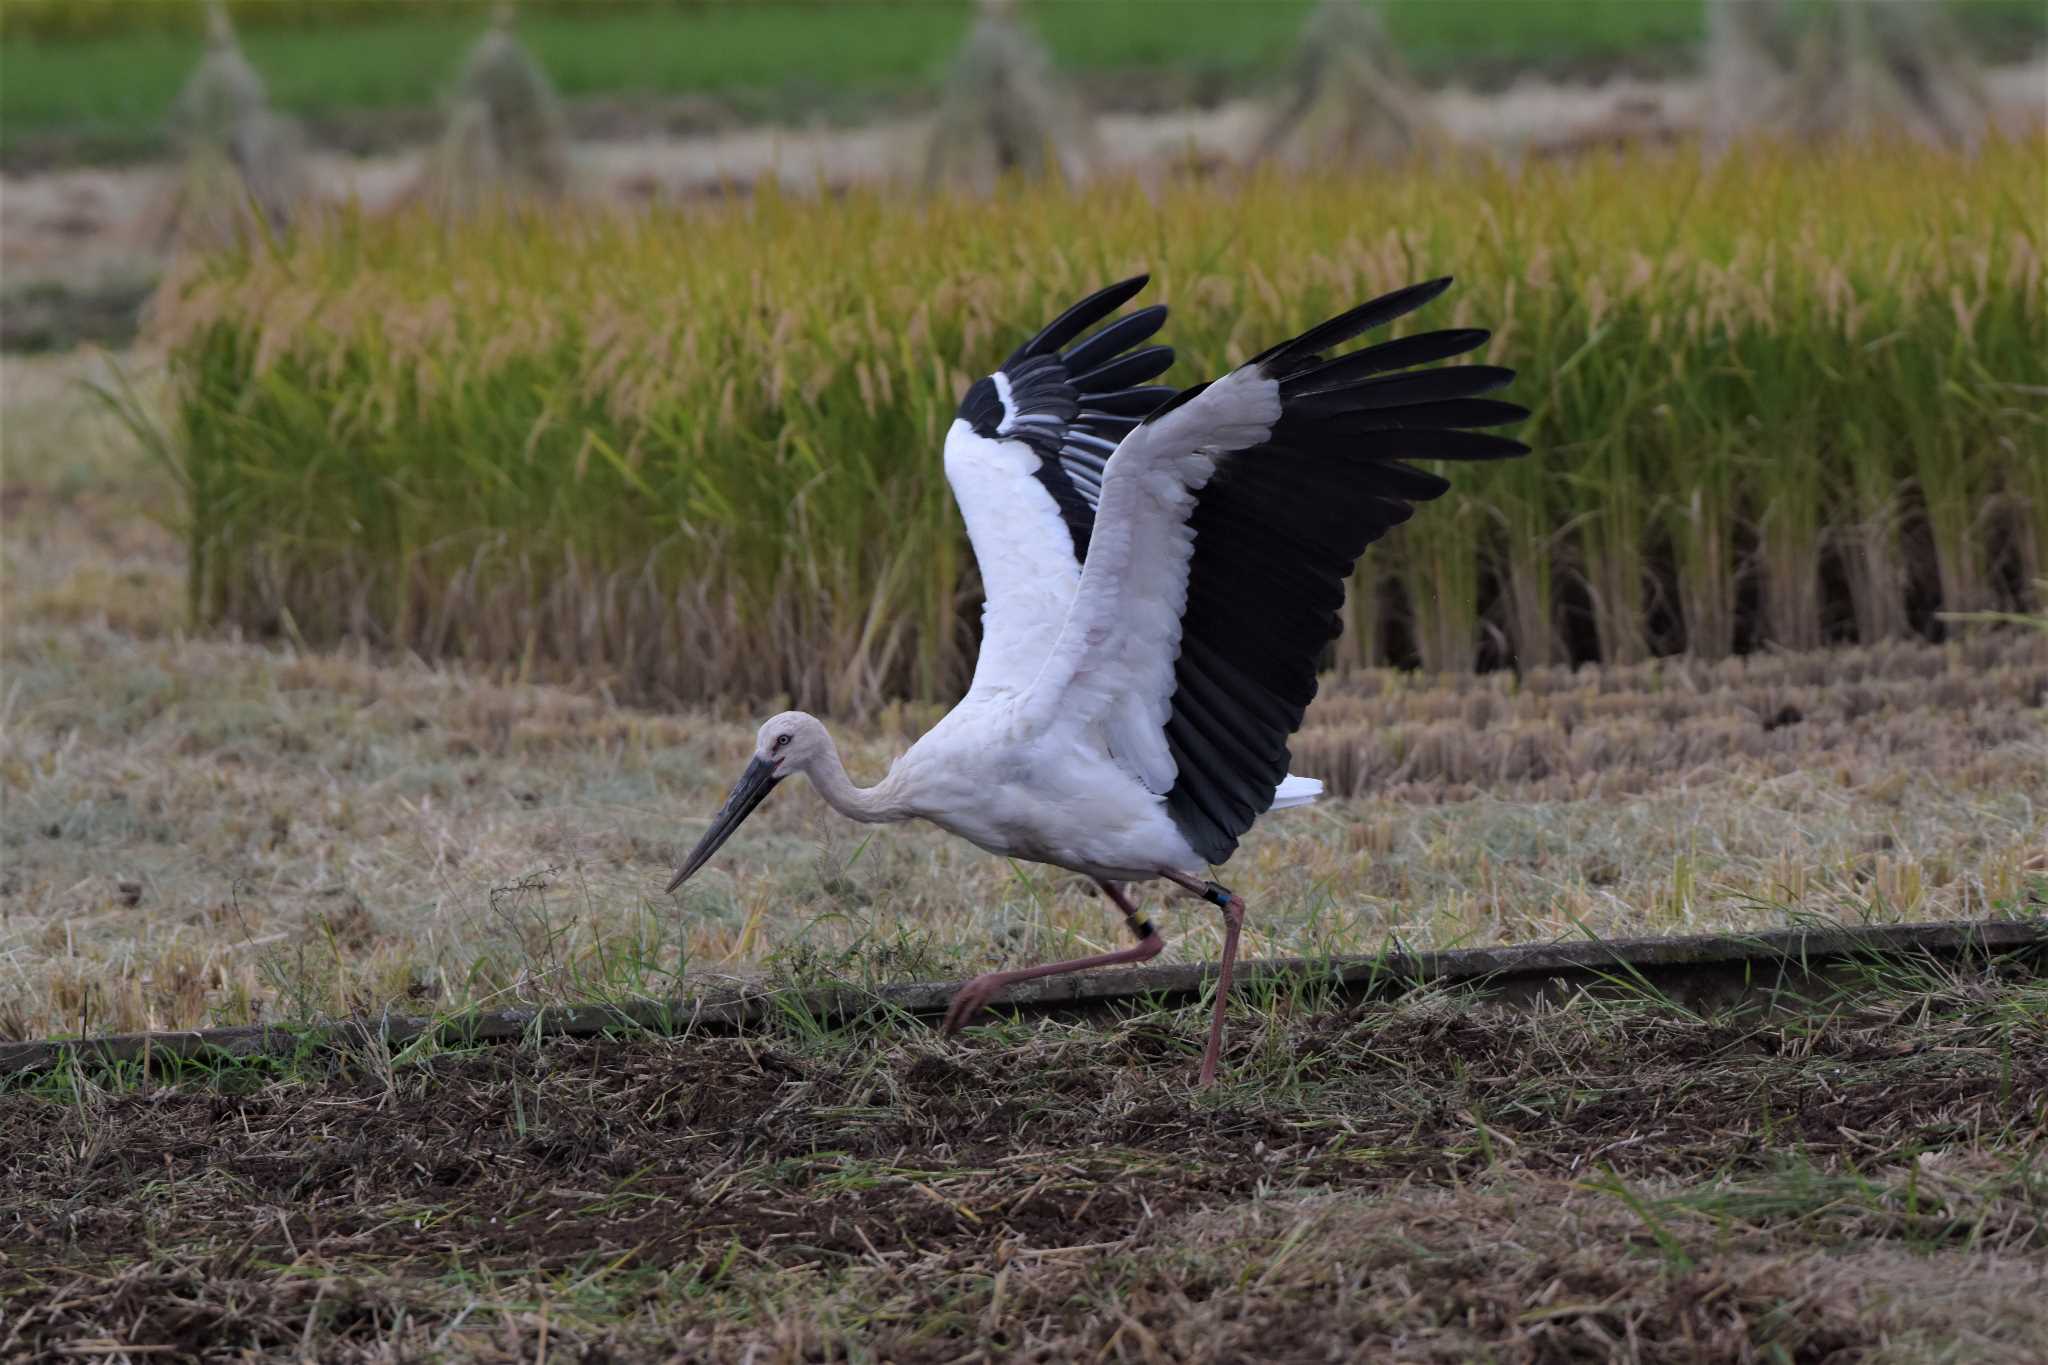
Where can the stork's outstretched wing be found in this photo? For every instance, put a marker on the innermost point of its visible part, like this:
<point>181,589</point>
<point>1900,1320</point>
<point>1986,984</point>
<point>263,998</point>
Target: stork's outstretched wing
<point>1025,460</point>
<point>1228,523</point>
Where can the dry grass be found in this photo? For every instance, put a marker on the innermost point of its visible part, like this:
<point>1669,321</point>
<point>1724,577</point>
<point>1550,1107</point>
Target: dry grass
<point>200,830</point>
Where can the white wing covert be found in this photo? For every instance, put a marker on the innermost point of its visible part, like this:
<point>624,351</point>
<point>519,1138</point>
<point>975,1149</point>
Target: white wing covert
<point>1229,521</point>
<point>1025,459</point>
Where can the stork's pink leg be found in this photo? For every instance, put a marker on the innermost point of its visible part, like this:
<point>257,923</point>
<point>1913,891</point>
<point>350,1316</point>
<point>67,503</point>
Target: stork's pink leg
<point>970,998</point>
<point>1233,922</point>
<point>1232,907</point>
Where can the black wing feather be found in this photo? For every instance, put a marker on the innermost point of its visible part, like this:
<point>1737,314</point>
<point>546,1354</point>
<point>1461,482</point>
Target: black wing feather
<point>1072,408</point>
<point>1078,319</point>
<point>1290,356</point>
<point>1115,339</point>
<point>1278,529</point>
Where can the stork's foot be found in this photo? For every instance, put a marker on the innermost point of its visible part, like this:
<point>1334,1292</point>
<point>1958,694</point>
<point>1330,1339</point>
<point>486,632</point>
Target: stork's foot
<point>972,998</point>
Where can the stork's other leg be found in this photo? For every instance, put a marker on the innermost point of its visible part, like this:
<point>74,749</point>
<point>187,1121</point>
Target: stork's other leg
<point>969,999</point>
<point>1233,923</point>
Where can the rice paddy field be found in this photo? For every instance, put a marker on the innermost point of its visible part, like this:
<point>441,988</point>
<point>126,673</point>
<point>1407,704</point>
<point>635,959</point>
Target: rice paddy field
<point>1783,400</point>
<point>378,632</point>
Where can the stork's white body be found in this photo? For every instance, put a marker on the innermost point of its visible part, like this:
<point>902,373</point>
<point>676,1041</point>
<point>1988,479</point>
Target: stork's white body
<point>1066,802</point>
<point>1161,574</point>
<point>1055,755</point>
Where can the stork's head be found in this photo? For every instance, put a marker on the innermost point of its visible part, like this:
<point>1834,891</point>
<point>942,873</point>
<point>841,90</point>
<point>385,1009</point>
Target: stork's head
<point>786,744</point>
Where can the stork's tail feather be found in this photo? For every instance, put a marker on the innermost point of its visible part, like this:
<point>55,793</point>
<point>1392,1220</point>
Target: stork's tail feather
<point>1296,791</point>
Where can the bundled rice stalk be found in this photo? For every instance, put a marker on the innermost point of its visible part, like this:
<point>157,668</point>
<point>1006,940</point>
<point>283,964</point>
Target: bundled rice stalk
<point>1749,60</point>
<point>497,443</point>
<point>1005,112</point>
<point>1352,100</point>
<point>1848,68</point>
<point>507,137</point>
<point>242,166</point>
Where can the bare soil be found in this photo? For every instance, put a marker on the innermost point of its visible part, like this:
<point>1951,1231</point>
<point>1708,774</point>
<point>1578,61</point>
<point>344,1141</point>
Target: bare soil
<point>1058,1193</point>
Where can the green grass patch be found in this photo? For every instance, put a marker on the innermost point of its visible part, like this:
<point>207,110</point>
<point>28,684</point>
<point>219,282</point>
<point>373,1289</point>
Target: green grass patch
<point>1782,399</point>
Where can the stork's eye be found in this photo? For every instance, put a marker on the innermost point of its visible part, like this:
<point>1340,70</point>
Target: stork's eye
<point>782,741</point>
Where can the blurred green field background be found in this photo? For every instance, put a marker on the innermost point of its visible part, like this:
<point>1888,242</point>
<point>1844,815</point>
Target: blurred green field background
<point>1787,399</point>
<point>99,74</point>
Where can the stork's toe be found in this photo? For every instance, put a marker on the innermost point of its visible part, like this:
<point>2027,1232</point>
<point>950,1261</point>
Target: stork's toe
<point>968,1001</point>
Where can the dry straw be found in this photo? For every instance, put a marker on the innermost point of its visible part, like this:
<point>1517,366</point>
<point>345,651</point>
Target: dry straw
<point>1786,397</point>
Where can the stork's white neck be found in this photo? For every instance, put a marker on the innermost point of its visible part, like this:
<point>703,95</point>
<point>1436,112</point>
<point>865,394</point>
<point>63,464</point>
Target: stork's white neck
<point>879,804</point>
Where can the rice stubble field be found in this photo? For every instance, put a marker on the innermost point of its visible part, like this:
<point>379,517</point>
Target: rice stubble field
<point>208,831</point>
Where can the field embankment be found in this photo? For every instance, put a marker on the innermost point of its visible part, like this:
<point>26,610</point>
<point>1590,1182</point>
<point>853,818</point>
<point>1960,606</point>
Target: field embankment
<point>1784,399</point>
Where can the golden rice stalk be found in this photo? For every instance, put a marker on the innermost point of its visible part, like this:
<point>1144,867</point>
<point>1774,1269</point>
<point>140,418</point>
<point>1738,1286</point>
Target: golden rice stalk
<point>243,165</point>
<point>506,135</point>
<point>1353,100</point>
<point>1005,112</point>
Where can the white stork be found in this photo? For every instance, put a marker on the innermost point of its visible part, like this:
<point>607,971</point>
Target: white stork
<point>1163,571</point>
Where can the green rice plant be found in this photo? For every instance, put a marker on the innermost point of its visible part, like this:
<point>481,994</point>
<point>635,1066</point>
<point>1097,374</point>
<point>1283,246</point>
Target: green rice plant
<point>694,452</point>
<point>1437,561</point>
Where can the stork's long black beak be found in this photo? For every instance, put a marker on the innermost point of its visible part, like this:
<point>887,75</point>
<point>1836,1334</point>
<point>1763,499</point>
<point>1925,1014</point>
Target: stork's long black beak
<point>750,791</point>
